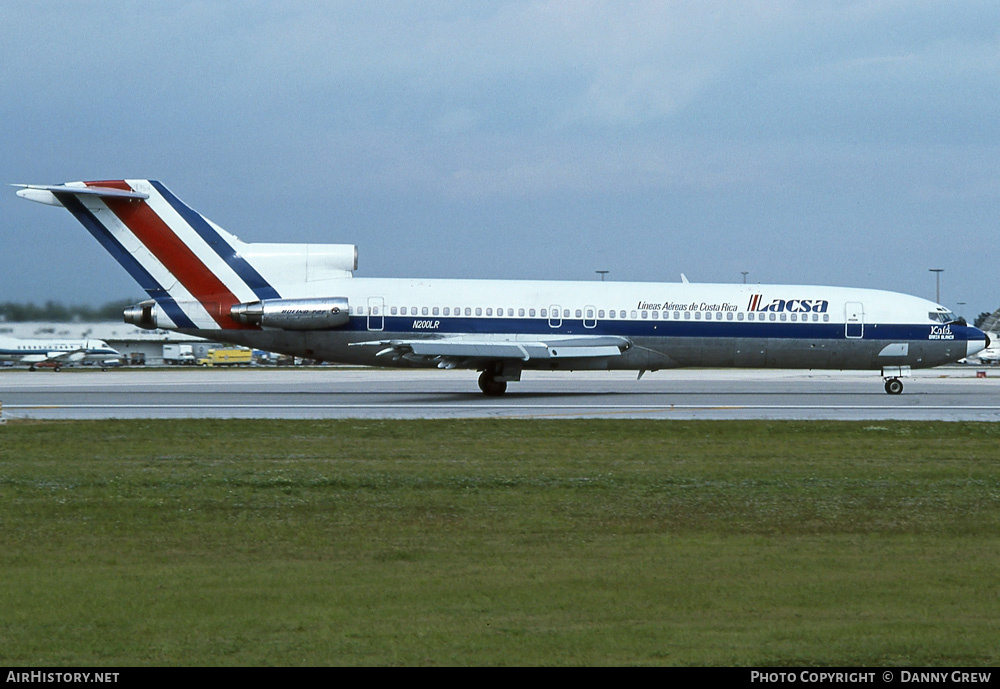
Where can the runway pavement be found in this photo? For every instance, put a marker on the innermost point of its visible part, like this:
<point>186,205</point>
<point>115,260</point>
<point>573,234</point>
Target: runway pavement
<point>950,394</point>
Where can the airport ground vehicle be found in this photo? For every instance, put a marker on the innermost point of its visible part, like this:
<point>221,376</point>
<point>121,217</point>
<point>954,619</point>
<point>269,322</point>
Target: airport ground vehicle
<point>178,354</point>
<point>236,356</point>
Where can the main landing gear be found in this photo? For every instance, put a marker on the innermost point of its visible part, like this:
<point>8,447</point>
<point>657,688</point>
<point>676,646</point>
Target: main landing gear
<point>490,386</point>
<point>893,386</point>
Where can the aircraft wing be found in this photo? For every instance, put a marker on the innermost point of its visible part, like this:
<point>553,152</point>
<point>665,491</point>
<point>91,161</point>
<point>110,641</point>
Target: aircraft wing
<point>59,355</point>
<point>450,352</point>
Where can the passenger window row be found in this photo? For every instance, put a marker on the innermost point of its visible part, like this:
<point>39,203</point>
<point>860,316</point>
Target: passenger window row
<point>508,312</point>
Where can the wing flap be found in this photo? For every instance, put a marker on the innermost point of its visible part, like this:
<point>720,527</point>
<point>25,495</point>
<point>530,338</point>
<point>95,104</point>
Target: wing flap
<point>453,348</point>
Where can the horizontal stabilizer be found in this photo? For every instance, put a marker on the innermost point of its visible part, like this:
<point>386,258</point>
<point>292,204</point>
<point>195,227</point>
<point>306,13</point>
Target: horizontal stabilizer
<point>46,193</point>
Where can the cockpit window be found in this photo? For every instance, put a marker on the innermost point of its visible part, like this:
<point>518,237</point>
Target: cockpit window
<point>942,317</point>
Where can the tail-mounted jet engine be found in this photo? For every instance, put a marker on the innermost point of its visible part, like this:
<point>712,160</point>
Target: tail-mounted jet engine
<point>142,314</point>
<point>294,314</point>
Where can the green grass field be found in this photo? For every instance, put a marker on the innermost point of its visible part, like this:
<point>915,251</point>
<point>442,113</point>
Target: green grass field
<point>499,543</point>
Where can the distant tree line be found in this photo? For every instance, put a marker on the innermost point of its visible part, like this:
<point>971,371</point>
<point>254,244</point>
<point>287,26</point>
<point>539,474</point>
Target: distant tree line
<point>52,311</point>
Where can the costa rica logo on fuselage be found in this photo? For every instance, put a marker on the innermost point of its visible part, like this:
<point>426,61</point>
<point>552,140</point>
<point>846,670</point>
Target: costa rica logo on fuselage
<point>789,305</point>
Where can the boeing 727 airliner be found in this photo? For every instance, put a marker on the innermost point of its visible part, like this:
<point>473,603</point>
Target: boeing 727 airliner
<point>302,300</point>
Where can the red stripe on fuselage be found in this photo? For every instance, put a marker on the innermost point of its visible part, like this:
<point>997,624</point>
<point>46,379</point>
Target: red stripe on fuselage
<point>174,254</point>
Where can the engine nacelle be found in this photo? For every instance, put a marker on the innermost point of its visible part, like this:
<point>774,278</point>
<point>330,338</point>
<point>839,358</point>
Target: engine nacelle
<point>294,314</point>
<point>144,314</point>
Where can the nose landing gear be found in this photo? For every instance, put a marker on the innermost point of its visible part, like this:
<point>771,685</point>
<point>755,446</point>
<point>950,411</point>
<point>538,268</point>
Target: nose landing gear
<point>892,375</point>
<point>893,386</point>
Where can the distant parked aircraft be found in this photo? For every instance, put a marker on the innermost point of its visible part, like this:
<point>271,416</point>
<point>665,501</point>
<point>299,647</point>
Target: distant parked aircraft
<point>56,353</point>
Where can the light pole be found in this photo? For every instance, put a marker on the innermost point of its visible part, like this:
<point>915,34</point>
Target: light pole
<point>602,273</point>
<point>744,273</point>
<point>937,275</point>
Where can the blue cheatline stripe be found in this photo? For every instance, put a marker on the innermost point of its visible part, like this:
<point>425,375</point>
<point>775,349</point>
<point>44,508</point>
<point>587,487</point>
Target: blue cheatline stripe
<point>227,253</point>
<point>127,260</point>
<point>447,325</point>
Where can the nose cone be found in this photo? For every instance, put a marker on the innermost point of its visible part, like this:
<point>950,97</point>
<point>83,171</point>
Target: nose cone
<point>976,341</point>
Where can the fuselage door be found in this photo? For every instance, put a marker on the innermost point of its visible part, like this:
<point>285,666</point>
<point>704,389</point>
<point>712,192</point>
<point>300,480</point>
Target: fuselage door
<point>855,324</point>
<point>555,316</point>
<point>589,317</point>
<point>376,310</point>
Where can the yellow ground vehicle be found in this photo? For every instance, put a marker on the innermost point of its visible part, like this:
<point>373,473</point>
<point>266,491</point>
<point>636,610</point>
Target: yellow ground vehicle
<point>236,356</point>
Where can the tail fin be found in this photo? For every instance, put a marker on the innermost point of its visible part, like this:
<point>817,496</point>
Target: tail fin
<point>194,270</point>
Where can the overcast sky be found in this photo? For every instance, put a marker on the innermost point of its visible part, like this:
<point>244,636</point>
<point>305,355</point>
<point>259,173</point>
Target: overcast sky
<point>843,143</point>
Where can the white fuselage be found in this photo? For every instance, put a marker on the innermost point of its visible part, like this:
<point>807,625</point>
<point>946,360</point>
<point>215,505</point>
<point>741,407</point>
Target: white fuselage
<point>672,324</point>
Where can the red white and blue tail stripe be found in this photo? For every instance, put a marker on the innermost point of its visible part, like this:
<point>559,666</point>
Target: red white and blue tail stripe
<point>191,267</point>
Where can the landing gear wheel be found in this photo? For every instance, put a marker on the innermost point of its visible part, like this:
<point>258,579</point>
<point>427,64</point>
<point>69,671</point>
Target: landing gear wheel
<point>490,387</point>
<point>57,369</point>
<point>894,386</point>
